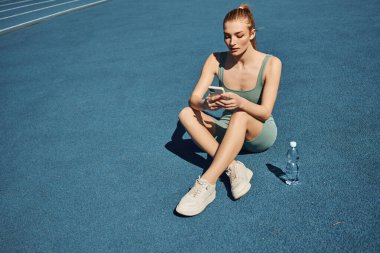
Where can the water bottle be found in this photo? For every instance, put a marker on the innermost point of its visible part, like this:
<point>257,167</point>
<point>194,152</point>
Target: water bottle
<point>291,170</point>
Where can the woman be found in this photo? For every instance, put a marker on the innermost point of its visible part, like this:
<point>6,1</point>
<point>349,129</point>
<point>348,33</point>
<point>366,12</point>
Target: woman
<point>251,80</point>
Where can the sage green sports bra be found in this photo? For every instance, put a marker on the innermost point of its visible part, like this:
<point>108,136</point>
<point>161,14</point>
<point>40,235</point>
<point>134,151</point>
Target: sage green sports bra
<point>253,95</point>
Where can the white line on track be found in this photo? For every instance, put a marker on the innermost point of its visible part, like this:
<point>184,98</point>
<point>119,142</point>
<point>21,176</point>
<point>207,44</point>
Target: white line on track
<point>38,20</point>
<point>51,6</point>
<point>16,3</point>
<point>27,5</point>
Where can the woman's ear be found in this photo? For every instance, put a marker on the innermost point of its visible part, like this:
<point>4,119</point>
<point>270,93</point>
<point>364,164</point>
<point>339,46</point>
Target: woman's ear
<point>253,34</point>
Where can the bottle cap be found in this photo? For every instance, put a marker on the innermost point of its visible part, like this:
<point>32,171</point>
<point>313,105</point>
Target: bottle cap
<point>293,144</point>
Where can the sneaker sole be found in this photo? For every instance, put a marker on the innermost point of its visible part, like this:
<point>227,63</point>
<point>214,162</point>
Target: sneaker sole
<point>210,199</point>
<point>246,189</point>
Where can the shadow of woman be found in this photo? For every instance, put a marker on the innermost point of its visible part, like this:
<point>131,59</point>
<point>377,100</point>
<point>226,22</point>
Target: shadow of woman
<point>189,151</point>
<point>186,149</point>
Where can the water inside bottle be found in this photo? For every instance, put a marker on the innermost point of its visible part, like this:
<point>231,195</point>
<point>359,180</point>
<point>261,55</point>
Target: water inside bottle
<point>291,174</point>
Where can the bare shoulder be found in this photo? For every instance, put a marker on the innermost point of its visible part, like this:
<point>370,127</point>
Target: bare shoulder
<point>274,62</point>
<point>273,68</point>
<point>212,62</point>
<point>272,73</point>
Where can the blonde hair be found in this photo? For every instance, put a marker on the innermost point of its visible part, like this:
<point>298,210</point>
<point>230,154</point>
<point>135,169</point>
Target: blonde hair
<point>242,13</point>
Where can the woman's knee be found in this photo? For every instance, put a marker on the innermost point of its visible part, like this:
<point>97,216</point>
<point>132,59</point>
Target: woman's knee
<point>240,116</point>
<point>186,113</point>
<point>242,119</point>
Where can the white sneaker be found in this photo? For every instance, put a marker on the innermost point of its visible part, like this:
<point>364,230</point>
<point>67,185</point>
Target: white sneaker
<point>239,177</point>
<point>197,199</point>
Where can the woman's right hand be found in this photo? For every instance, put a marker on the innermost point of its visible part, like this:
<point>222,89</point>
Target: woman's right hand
<point>211,102</point>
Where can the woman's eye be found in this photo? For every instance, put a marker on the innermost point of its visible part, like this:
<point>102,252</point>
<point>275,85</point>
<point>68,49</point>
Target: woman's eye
<point>240,36</point>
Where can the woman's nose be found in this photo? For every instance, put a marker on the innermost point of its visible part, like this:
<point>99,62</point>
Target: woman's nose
<point>233,41</point>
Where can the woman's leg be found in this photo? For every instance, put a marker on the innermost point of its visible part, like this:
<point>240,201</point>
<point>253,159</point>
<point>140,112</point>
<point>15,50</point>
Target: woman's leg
<point>242,126</point>
<point>201,128</point>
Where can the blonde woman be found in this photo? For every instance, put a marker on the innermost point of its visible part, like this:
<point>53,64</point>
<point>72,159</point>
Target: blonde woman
<point>250,79</point>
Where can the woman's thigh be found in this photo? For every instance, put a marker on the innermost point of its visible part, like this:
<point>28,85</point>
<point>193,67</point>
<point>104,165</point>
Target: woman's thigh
<point>238,119</point>
<point>252,125</point>
<point>259,136</point>
<point>265,139</point>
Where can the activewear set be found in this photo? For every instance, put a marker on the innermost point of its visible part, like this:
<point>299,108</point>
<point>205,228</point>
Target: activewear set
<point>268,135</point>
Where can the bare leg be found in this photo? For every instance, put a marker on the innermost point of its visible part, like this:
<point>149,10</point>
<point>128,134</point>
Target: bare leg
<point>201,128</point>
<point>241,126</point>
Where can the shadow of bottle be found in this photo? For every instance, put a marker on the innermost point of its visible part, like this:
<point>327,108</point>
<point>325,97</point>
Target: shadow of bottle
<point>279,173</point>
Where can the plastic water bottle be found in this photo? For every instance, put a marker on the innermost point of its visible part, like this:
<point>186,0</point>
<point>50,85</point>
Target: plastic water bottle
<point>291,170</point>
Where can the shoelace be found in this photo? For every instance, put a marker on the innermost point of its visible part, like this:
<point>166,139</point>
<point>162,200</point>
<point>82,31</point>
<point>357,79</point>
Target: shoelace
<point>197,189</point>
<point>232,174</point>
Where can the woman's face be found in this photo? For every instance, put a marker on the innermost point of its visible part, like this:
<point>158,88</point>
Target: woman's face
<point>237,36</point>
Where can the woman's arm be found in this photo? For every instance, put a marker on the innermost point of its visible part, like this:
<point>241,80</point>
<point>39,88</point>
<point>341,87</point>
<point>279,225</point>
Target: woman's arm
<point>210,69</point>
<point>264,111</point>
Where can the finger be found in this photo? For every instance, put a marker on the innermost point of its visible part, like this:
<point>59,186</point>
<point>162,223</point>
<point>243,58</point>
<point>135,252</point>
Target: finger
<point>226,95</point>
<point>227,101</point>
<point>230,105</point>
<point>216,106</point>
<point>210,100</point>
<point>216,97</point>
<point>219,103</point>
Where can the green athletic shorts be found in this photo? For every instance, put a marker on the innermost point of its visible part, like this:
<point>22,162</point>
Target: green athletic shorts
<point>260,143</point>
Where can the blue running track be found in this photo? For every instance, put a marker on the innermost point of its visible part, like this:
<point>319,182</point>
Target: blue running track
<point>93,160</point>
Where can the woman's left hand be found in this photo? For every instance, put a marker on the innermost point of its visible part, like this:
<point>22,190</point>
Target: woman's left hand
<point>230,101</point>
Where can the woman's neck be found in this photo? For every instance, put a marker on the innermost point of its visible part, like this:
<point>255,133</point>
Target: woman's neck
<point>247,57</point>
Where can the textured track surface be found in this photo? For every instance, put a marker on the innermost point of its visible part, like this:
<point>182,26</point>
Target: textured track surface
<point>89,104</point>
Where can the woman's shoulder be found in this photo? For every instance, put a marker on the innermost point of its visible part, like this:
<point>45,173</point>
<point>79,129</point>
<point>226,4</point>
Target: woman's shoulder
<point>213,62</point>
<point>274,65</point>
<point>274,61</point>
<point>218,56</point>
<point>273,58</point>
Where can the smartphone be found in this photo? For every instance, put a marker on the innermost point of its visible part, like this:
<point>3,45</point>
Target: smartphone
<point>215,90</point>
